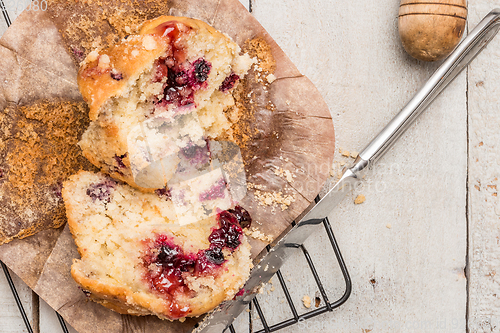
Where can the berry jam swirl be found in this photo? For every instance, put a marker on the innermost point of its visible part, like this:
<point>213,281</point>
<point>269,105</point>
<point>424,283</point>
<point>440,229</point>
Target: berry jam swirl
<point>167,264</point>
<point>181,78</point>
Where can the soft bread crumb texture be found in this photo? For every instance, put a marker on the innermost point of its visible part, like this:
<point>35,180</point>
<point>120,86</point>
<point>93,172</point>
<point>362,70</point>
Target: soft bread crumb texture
<point>111,238</point>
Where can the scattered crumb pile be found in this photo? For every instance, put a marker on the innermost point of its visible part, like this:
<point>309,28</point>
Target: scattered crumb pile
<point>272,199</point>
<point>257,234</point>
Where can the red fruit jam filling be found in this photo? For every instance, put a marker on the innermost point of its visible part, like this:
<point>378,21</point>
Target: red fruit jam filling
<point>229,82</point>
<point>181,80</point>
<point>174,32</point>
<point>167,264</point>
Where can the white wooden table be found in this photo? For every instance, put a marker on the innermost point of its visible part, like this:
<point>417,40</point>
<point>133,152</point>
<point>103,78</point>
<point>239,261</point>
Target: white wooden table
<point>423,250</point>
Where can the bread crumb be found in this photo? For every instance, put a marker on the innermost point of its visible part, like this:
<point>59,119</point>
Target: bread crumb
<point>104,61</point>
<point>271,78</point>
<point>354,154</point>
<point>388,226</point>
<point>359,199</point>
<point>307,301</point>
<point>345,153</point>
<point>92,56</point>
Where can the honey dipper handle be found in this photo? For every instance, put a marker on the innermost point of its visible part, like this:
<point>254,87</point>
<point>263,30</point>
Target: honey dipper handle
<point>465,52</point>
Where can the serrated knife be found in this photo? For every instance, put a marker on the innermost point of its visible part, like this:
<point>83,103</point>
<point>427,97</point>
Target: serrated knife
<point>466,51</point>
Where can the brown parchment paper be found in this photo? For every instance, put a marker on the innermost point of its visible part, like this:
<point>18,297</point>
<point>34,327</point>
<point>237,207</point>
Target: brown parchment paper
<point>43,115</point>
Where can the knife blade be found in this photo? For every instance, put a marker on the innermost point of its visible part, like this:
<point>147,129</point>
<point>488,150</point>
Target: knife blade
<point>466,51</point>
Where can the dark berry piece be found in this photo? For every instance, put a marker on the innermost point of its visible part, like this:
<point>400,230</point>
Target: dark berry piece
<point>101,191</point>
<point>1,174</point>
<point>119,160</point>
<point>233,236</point>
<point>115,75</point>
<point>201,70</point>
<point>166,254</point>
<point>86,292</point>
<point>163,193</point>
<point>242,215</point>
<point>226,219</point>
<point>184,263</point>
<point>215,255</point>
<point>217,238</point>
<point>229,82</point>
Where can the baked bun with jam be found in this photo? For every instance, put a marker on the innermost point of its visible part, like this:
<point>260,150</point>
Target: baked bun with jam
<point>174,66</point>
<point>137,259</point>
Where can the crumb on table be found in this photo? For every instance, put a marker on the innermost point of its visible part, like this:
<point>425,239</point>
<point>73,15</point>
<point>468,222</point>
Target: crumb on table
<point>306,300</point>
<point>359,199</point>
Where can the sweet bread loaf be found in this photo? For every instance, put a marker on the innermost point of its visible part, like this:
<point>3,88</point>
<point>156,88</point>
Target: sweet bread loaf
<point>173,67</point>
<point>136,259</point>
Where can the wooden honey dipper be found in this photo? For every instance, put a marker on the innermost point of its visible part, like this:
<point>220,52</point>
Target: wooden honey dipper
<point>431,29</point>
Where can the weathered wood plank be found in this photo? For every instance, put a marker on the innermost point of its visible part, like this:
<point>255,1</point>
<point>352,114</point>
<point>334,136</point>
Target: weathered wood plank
<point>406,245</point>
<point>484,172</point>
<point>10,317</point>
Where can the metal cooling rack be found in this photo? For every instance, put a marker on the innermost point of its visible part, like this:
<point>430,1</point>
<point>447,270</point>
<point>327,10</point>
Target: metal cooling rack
<point>295,317</point>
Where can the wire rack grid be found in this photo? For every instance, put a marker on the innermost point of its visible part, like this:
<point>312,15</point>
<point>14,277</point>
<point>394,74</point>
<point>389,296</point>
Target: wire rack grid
<point>266,328</point>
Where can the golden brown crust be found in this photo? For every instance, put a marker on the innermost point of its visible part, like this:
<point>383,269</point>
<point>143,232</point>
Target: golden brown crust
<point>96,84</point>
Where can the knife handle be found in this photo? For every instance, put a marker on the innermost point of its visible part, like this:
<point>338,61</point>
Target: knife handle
<point>465,52</point>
